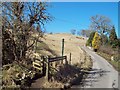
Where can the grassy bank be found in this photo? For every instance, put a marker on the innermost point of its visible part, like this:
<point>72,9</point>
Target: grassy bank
<point>70,75</point>
<point>16,76</point>
<point>115,64</point>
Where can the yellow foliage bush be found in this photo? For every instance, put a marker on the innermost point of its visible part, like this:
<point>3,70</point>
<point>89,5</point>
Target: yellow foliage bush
<point>96,41</point>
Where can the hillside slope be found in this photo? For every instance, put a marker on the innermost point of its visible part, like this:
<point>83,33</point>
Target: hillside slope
<point>72,45</point>
<point>51,45</point>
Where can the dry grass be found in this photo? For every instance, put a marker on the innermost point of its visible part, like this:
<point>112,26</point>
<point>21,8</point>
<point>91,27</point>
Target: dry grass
<point>115,64</point>
<point>108,50</point>
<point>54,84</point>
<point>79,58</point>
<point>51,45</point>
<point>44,49</point>
<point>0,52</point>
<point>72,45</point>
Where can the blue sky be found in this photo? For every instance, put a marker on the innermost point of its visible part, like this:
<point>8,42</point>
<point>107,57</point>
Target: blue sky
<point>76,15</point>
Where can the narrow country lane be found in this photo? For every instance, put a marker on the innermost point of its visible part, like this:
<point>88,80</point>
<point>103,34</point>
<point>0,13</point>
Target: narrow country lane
<point>102,75</point>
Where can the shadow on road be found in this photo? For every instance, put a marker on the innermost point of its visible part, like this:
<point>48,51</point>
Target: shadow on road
<point>97,71</point>
<point>93,75</point>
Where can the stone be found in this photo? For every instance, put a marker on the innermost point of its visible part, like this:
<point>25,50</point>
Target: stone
<point>67,85</point>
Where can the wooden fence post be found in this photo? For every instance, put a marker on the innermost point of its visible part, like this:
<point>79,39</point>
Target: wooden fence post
<point>44,66</point>
<point>62,47</point>
<point>70,59</point>
<point>47,68</point>
<point>66,62</point>
<point>62,50</point>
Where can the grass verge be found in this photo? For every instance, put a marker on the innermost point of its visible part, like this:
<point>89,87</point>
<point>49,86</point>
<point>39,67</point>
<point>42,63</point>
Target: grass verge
<point>115,64</point>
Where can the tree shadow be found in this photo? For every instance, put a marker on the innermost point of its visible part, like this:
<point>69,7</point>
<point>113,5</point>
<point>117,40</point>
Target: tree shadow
<point>97,71</point>
<point>69,74</point>
<point>92,76</point>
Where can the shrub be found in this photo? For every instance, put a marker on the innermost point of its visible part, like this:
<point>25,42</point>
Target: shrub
<point>104,39</point>
<point>96,41</point>
<point>73,31</point>
<point>89,41</point>
<point>108,50</point>
<point>117,58</point>
<point>51,33</point>
<point>113,38</point>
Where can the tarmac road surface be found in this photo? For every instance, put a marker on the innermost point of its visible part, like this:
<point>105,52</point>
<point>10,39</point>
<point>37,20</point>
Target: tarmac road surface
<point>102,75</point>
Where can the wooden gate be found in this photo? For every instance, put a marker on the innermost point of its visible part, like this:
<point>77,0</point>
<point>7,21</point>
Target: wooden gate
<point>40,65</point>
<point>43,64</point>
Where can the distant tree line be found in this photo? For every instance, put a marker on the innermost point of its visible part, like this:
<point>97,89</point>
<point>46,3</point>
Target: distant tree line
<point>103,33</point>
<point>83,32</point>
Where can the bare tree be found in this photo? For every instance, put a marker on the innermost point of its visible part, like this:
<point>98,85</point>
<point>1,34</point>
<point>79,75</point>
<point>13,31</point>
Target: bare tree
<point>83,32</point>
<point>101,24</point>
<point>73,31</point>
<point>19,20</point>
<point>86,33</point>
<point>79,32</point>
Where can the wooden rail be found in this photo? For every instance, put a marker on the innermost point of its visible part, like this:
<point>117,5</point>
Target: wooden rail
<point>57,58</point>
